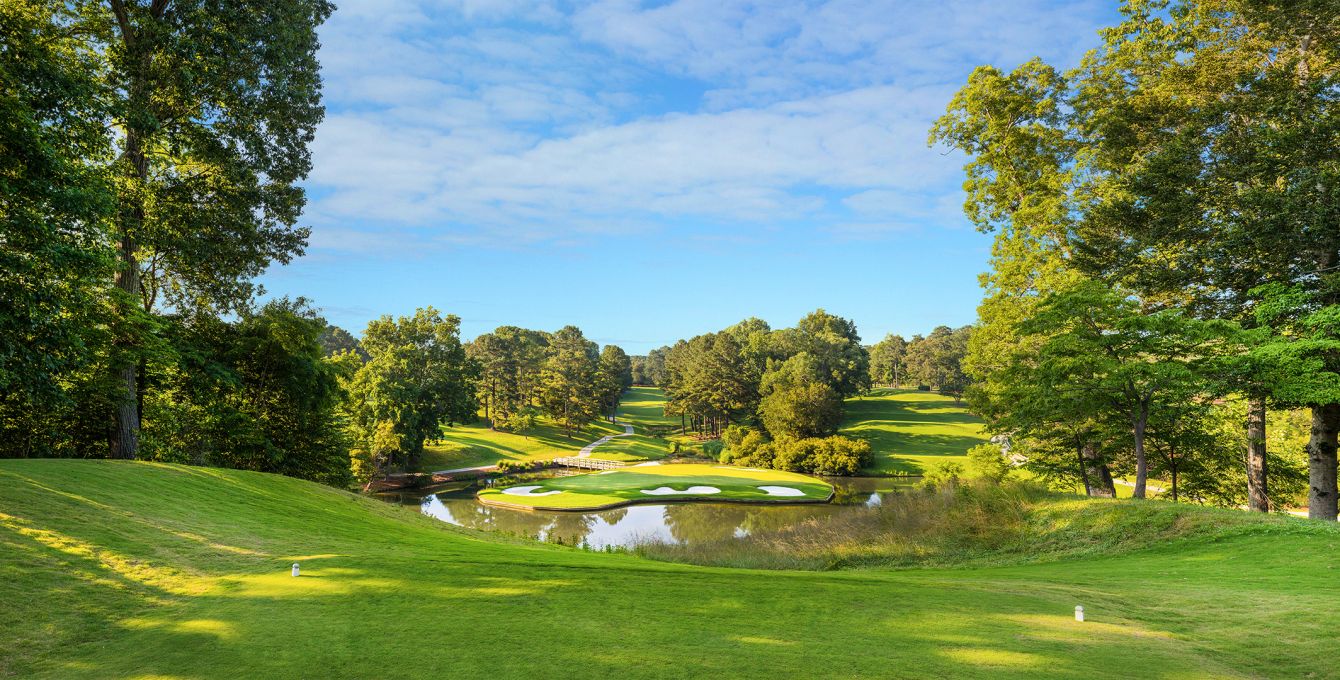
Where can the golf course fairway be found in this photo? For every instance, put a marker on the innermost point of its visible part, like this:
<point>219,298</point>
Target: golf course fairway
<point>660,483</point>
<point>112,569</point>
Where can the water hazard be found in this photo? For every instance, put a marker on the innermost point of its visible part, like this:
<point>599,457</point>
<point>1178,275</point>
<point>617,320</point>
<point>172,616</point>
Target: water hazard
<point>623,527</point>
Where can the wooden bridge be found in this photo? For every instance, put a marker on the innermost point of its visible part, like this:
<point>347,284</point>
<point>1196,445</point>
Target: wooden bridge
<point>589,463</point>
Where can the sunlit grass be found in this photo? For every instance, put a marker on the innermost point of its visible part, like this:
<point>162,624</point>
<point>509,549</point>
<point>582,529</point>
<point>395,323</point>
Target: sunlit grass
<point>119,570</point>
<point>910,430</point>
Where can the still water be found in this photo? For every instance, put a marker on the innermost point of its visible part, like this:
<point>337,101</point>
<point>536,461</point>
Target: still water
<point>623,527</point>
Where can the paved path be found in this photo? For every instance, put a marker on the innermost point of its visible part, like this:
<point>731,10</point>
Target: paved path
<point>586,450</point>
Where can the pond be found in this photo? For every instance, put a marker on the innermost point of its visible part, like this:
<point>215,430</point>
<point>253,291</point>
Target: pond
<point>685,522</point>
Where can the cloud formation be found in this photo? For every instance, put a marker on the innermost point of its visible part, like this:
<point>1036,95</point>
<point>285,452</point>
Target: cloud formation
<point>503,123</point>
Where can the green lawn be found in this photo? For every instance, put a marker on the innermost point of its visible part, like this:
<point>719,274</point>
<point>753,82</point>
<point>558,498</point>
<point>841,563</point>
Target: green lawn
<point>910,430</point>
<point>623,486</point>
<point>644,406</point>
<point>121,570</point>
<point>475,445</point>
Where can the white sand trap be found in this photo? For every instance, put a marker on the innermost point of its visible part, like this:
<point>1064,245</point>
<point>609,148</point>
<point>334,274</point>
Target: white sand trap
<point>648,464</point>
<point>781,491</point>
<point>665,490</point>
<point>528,491</point>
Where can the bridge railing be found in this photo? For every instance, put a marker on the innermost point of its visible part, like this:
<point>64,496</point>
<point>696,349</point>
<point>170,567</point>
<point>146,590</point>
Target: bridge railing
<point>589,463</point>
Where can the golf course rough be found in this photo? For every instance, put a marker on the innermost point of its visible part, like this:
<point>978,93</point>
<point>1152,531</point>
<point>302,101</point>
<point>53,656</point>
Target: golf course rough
<point>660,483</point>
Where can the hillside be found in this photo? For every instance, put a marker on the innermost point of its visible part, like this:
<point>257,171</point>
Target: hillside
<point>116,569</point>
<point>910,430</point>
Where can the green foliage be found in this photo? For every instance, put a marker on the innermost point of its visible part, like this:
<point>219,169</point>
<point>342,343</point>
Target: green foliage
<point>55,202</point>
<point>417,378</point>
<point>833,455</point>
<point>938,360</point>
<point>797,402</point>
<point>568,391</point>
<point>252,395</point>
<point>942,475</point>
<point>888,361</point>
<point>989,462</point>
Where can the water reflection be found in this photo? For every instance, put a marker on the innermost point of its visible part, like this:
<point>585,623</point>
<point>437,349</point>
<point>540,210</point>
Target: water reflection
<point>623,527</point>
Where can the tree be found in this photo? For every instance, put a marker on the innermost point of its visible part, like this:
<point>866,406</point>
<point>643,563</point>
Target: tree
<point>568,390</point>
<point>937,360</point>
<point>55,201</point>
<point>510,360</point>
<point>1101,345</point>
<point>798,401</point>
<point>1207,171</point>
<point>614,375</point>
<point>655,368</point>
<point>833,343</point>
<point>335,340</point>
<point>416,380</point>
<point>214,104</point>
<point>888,361</point>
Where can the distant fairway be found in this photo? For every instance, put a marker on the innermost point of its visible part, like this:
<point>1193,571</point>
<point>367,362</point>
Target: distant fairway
<point>909,430</point>
<point>476,445</point>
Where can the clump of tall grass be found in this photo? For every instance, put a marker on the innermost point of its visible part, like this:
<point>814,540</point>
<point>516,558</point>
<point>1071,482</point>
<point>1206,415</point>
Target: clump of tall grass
<point>971,523</point>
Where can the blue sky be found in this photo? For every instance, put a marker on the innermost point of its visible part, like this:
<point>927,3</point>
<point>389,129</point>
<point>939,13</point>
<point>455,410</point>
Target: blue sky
<point>649,171</point>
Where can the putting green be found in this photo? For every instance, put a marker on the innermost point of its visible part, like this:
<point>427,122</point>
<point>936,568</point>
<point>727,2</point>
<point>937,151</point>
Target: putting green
<point>659,483</point>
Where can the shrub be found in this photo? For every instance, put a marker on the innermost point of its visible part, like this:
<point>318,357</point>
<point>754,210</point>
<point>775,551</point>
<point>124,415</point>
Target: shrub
<point>943,475</point>
<point>511,466</point>
<point>713,448</point>
<point>988,461</point>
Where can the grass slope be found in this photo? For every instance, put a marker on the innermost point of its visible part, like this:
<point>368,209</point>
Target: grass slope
<point>910,430</point>
<point>475,444</point>
<point>621,487</point>
<point>116,569</point>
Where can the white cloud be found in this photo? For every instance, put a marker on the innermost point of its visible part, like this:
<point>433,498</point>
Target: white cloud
<point>495,123</point>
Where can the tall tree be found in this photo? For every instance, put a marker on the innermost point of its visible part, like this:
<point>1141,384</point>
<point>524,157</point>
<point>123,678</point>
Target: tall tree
<point>798,400</point>
<point>416,380</point>
<point>1101,345</point>
<point>54,205</point>
<point>614,374</point>
<point>215,104</point>
<point>568,389</point>
<point>888,360</point>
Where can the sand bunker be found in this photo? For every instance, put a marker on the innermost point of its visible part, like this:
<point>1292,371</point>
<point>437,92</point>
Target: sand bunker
<point>781,491</point>
<point>654,462</point>
<point>528,491</point>
<point>665,490</point>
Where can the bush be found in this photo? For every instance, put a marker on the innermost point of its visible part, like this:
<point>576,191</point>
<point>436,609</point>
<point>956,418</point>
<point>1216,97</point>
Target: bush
<point>713,448</point>
<point>988,461</point>
<point>834,455</point>
<point>924,388</point>
<point>943,475</point>
<point>512,466</point>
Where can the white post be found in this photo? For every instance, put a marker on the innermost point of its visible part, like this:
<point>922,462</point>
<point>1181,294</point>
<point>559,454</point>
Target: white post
<point>295,568</point>
<point>1079,611</point>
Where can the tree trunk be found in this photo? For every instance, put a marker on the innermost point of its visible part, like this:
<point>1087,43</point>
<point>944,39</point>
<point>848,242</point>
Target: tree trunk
<point>1258,500</point>
<point>1099,476</point>
<point>1321,498</point>
<point>1083,468</point>
<point>125,439</point>
<point>1141,461</point>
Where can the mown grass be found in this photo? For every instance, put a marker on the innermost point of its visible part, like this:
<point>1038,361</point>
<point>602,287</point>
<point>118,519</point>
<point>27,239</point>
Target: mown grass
<point>622,486</point>
<point>910,430</point>
<point>476,445</point>
<point>116,570</point>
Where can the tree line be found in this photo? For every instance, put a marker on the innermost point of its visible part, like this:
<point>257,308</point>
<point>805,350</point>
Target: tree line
<point>1167,252</point>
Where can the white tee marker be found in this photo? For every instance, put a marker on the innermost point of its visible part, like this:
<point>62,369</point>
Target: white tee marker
<point>295,568</point>
<point>1079,611</point>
